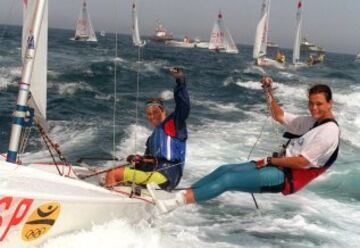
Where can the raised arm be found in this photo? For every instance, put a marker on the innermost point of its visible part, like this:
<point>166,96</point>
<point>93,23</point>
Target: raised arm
<point>276,111</point>
<point>182,103</point>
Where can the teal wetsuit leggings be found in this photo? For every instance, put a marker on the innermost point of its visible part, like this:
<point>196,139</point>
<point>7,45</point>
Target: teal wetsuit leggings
<point>239,177</point>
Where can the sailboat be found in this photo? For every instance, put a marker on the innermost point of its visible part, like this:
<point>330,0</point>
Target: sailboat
<point>135,27</point>
<point>40,201</point>
<point>261,38</point>
<point>84,29</point>
<point>297,43</point>
<point>220,38</point>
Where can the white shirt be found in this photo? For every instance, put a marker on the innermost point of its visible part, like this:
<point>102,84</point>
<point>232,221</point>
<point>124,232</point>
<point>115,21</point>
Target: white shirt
<point>317,145</point>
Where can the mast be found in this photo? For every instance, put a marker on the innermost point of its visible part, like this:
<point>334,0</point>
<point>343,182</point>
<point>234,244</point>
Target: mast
<point>297,43</point>
<point>21,113</point>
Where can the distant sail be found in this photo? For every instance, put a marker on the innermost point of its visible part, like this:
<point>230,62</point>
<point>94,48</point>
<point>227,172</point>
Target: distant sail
<point>220,38</point>
<point>261,35</point>
<point>38,86</point>
<point>84,29</point>
<point>297,43</point>
<point>135,27</point>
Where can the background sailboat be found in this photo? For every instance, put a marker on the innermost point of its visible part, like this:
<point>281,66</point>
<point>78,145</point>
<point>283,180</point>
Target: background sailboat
<point>36,204</point>
<point>297,43</point>
<point>261,39</point>
<point>135,27</point>
<point>84,29</point>
<point>221,39</point>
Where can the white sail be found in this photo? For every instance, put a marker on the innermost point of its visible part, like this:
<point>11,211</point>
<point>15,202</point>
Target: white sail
<point>38,79</point>
<point>261,35</point>
<point>220,38</point>
<point>297,43</point>
<point>135,27</point>
<point>229,44</point>
<point>84,29</point>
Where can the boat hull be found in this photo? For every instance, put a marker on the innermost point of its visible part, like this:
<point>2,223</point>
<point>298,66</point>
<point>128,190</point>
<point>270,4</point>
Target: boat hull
<point>270,62</point>
<point>36,205</point>
<point>174,43</point>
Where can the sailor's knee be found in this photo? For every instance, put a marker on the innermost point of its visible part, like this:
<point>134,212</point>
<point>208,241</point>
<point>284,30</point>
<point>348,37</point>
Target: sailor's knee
<point>114,176</point>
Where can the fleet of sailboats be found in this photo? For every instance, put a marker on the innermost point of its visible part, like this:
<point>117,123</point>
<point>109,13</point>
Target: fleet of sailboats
<point>221,39</point>
<point>84,30</point>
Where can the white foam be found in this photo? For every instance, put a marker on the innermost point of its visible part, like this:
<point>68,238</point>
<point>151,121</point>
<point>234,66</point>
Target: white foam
<point>114,234</point>
<point>253,69</point>
<point>67,89</point>
<point>167,95</point>
<point>68,135</point>
<point>218,107</point>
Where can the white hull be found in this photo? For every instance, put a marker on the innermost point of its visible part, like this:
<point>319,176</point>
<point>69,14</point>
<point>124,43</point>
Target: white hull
<point>225,51</point>
<point>174,43</point>
<point>298,65</point>
<point>36,205</point>
<point>270,62</point>
<point>84,39</point>
<point>202,45</point>
<point>315,49</point>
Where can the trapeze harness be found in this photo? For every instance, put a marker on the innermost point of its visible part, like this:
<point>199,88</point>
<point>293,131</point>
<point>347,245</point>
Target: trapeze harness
<point>296,179</point>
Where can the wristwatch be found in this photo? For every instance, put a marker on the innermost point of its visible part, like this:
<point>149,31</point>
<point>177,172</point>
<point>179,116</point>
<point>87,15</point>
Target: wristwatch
<point>269,160</point>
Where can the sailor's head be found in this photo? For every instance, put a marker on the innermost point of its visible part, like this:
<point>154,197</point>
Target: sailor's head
<point>155,111</point>
<point>320,101</point>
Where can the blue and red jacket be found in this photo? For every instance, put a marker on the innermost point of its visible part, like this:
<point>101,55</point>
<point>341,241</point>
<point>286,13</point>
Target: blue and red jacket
<point>167,142</point>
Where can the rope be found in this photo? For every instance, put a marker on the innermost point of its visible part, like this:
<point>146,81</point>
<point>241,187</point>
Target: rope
<point>54,148</point>
<point>24,139</point>
<point>115,91</point>
<point>271,114</point>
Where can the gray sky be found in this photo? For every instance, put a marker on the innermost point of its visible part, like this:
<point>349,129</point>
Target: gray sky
<point>333,24</point>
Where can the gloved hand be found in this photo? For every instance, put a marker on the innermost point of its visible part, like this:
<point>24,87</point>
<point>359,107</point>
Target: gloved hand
<point>135,159</point>
<point>266,83</point>
<point>177,73</point>
<point>263,162</point>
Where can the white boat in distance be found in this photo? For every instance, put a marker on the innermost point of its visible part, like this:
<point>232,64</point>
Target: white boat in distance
<point>39,201</point>
<point>271,44</point>
<point>220,38</point>
<point>161,34</point>
<point>308,46</point>
<point>84,30</point>
<point>187,43</point>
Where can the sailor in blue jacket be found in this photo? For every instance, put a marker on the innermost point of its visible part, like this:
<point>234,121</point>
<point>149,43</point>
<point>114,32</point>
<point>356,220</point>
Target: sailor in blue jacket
<point>164,157</point>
